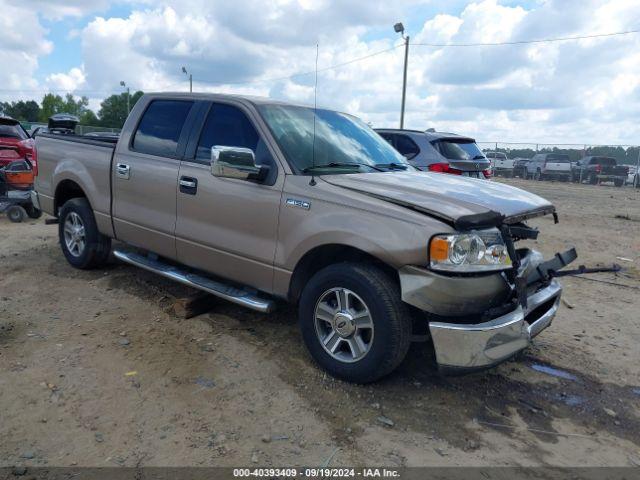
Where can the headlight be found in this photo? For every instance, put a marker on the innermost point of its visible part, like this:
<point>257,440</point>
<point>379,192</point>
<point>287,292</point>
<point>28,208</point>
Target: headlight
<point>481,251</point>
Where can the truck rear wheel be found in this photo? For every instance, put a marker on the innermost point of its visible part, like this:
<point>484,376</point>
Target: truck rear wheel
<point>33,212</point>
<point>354,322</point>
<point>82,244</point>
<point>618,182</point>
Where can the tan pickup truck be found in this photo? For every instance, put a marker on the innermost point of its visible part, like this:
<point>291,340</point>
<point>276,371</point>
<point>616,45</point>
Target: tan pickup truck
<point>257,201</point>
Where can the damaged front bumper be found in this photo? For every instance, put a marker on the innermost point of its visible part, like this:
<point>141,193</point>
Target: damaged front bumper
<point>478,322</point>
<point>461,348</point>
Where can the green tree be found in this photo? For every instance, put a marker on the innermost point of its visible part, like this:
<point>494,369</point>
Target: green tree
<point>113,109</point>
<point>26,111</point>
<point>89,118</point>
<point>52,104</point>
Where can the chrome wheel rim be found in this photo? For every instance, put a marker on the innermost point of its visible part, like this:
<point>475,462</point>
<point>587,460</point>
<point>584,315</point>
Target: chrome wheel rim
<point>74,234</point>
<point>343,325</point>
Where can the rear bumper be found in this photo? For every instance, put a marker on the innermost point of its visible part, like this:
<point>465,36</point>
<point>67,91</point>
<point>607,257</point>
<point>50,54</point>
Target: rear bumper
<point>462,348</point>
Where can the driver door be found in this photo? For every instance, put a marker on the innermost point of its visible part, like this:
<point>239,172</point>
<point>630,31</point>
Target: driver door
<point>228,226</point>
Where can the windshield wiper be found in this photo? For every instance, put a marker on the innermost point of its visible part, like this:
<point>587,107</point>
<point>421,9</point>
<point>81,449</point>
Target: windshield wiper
<point>393,166</point>
<point>479,157</point>
<point>339,165</point>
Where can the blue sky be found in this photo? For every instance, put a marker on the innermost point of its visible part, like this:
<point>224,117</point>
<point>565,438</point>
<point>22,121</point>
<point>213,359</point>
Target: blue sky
<point>578,91</point>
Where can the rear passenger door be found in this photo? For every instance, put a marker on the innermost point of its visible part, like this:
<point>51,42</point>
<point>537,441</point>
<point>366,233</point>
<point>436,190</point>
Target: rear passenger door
<point>145,176</point>
<point>228,226</point>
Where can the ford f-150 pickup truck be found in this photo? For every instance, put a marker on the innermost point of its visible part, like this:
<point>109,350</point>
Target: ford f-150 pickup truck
<point>256,201</point>
<point>596,169</point>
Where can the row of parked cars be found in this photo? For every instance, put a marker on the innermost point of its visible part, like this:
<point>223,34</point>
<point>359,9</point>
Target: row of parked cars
<point>592,169</point>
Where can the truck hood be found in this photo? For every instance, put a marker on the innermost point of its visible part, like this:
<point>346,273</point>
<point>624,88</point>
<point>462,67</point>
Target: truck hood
<point>463,202</point>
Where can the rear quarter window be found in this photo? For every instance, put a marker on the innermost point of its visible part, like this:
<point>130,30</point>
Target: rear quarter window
<point>160,127</point>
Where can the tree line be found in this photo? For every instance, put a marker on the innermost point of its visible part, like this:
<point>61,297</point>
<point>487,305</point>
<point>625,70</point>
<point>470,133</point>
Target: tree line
<point>112,113</point>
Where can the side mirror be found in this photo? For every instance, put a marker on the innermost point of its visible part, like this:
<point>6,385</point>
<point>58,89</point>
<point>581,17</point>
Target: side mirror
<point>236,162</point>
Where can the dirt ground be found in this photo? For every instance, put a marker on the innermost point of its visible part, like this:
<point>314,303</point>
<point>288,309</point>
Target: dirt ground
<point>95,370</point>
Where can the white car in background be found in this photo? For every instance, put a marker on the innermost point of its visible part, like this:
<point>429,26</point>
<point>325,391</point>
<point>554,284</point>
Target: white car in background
<point>500,163</point>
<point>632,176</point>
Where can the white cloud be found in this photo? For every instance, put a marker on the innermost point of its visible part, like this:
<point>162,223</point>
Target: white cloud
<point>73,80</point>
<point>23,42</point>
<point>567,91</point>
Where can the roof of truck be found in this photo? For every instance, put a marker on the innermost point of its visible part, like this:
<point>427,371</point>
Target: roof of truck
<point>231,96</point>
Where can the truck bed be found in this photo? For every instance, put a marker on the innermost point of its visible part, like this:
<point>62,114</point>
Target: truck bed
<point>73,158</point>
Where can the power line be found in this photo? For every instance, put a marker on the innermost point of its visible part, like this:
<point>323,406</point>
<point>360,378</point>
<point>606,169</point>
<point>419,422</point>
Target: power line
<point>310,72</point>
<point>522,42</point>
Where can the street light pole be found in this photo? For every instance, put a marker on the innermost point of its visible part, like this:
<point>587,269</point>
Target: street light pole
<point>123,84</point>
<point>399,28</point>
<point>184,70</point>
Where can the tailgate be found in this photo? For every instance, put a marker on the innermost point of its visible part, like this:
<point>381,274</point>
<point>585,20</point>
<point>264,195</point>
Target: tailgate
<point>558,166</point>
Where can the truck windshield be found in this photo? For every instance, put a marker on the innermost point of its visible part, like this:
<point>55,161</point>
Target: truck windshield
<point>343,144</point>
<point>454,149</point>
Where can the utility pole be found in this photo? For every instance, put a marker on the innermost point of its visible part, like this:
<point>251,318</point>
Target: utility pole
<point>123,84</point>
<point>184,70</point>
<point>399,28</point>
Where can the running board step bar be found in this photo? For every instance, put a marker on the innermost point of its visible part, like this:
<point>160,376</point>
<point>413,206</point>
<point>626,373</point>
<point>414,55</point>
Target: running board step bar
<point>232,294</point>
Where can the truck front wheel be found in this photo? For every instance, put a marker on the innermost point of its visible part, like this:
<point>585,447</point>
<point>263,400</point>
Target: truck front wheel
<point>354,322</point>
<point>82,244</point>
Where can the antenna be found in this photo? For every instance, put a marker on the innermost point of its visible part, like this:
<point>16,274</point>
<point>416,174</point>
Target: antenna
<point>315,108</point>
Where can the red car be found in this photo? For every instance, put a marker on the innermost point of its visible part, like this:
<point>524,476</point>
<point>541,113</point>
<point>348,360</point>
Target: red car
<point>15,143</point>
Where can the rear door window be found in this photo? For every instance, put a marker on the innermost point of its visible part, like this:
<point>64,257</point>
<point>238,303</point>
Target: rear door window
<point>160,128</point>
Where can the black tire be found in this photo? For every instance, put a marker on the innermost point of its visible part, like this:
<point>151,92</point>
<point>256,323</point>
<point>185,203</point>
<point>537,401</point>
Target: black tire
<point>391,318</point>
<point>618,182</point>
<point>16,214</point>
<point>593,180</point>
<point>97,247</point>
<point>33,212</point>
<point>636,181</point>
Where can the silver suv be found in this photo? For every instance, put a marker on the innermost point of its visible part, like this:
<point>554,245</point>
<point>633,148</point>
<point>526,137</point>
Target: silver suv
<point>439,152</point>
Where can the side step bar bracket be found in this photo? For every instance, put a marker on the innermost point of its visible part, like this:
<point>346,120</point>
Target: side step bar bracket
<point>233,294</point>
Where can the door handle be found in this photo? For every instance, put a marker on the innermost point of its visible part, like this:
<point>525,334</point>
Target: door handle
<point>123,171</point>
<point>188,185</point>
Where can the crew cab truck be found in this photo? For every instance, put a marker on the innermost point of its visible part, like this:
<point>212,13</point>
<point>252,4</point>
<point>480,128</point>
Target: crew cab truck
<point>500,163</point>
<point>594,169</point>
<point>255,200</point>
<point>545,166</point>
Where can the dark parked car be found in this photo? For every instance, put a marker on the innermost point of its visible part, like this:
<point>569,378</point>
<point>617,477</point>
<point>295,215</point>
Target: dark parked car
<point>596,169</point>
<point>439,152</point>
<point>520,167</point>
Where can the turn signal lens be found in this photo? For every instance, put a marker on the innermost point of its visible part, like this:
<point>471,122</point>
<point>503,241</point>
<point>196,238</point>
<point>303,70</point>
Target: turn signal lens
<point>439,249</point>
